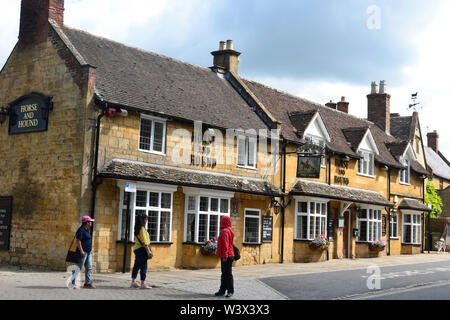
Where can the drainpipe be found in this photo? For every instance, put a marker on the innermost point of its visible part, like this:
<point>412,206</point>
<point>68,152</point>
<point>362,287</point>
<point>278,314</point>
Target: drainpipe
<point>283,206</point>
<point>328,206</point>
<point>389,213</point>
<point>95,182</point>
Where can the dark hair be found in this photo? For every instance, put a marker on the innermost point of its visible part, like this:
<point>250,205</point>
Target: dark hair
<point>140,222</point>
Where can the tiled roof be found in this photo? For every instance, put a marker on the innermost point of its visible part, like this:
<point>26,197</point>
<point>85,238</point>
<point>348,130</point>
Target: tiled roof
<point>437,164</point>
<point>334,192</point>
<point>413,204</point>
<point>354,136</point>
<point>139,171</point>
<point>402,128</point>
<point>154,83</point>
<point>282,104</point>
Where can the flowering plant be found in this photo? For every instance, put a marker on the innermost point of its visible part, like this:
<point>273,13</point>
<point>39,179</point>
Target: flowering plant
<point>321,241</point>
<point>378,244</point>
<point>210,245</point>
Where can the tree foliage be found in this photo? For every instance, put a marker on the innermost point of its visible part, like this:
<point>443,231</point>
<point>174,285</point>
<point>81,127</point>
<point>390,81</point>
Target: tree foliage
<point>433,198</point>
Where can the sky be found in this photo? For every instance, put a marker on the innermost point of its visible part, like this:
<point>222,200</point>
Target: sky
<point>318,50</point>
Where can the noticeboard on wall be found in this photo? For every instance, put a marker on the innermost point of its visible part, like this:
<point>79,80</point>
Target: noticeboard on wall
<point>267,229</point>
<point>5,222</point>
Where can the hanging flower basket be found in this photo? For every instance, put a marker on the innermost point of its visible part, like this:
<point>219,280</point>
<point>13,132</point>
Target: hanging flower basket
<point>320,243</point>
<point>209,248</point>
<point>377,246</point>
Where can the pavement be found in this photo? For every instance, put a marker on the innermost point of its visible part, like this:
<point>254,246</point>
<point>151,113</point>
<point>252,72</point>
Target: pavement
<point>181,284</point>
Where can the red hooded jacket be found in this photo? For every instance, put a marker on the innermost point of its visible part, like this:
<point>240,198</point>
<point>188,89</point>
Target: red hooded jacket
<point>225,241</point>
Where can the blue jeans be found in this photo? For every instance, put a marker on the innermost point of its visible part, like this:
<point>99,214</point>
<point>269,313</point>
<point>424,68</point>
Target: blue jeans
<point>140,263</point>
<point>85,262</point>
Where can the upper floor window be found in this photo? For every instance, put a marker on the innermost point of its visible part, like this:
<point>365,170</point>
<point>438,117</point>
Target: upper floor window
<point>405,174</point>
<point>247,152</point>
<point>366,163</point>
<point>152,135</point>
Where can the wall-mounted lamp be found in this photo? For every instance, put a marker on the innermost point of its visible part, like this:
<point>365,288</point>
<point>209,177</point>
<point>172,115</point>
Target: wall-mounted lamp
<point>357,208</point>
<point>112,112</point>
<point>3,115</point>
<point>275,205</point>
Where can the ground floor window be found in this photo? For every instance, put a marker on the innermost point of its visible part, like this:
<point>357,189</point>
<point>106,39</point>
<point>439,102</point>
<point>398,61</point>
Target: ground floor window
<point>203,215</point>
<point>393,230</point>
<point>369,224</point>
<point>412,228</point>
<point>252,226</point>
<point>310,219</point>
<point>156,203</point>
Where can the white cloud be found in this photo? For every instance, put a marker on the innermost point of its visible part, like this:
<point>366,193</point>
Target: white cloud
<point>9,28</point>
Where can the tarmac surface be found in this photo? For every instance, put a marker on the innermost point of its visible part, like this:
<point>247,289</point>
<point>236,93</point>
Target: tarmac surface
<point>251,282</point>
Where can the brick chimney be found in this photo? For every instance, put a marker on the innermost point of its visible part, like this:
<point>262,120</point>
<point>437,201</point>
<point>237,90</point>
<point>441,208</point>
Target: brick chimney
<point>226,58</point>
<point>343,105</point>
<point>433,140</point>
<point>331,105</point>
<point>379,106</point>
<point>34,18</point>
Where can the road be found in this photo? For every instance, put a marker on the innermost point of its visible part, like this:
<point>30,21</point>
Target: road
<point>425,281</point>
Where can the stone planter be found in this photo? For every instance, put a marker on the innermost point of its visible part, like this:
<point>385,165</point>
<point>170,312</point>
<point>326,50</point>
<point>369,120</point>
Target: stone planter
<point>375,248</point>
<point>317,248</point>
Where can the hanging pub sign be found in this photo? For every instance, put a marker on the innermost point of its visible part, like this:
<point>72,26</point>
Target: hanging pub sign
<point>308,166</point>
<point>29,113</point>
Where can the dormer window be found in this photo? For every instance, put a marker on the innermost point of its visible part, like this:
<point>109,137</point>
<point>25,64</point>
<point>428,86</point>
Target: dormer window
<point>247,152</point>
<point>405,174</point>
<point>366,163</point>
<point>320,142</point>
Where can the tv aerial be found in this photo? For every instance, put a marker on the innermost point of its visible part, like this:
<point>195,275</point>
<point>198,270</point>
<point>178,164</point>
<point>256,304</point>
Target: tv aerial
<point>415,105</point>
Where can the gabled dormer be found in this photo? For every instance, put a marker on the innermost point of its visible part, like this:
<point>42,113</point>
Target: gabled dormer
<point>363,143</point>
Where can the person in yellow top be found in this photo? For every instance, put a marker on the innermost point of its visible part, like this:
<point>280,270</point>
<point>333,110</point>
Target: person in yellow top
<point>142,240</point>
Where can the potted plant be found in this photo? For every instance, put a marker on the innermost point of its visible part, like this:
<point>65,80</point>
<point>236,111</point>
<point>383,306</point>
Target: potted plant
<point>319,243</point>
<point>209,247</point>
<point>378,245</point>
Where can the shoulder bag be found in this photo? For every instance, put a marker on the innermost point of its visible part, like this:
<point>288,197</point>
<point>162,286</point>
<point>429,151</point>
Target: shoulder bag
<point>73,256</point>
<point>148,250</point>
<point>237,253</point>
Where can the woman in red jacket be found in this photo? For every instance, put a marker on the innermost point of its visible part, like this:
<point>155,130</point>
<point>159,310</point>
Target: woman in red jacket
<point>226,254</point>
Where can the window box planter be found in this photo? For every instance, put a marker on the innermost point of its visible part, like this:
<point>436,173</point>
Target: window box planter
<point>377,246</point>
<point>320,243</point>
<point>318,248</point>
<point>207,253</point>
<point>209,248</point>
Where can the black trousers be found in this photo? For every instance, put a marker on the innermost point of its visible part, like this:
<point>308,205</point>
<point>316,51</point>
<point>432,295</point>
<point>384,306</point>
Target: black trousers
<point>226,280</point>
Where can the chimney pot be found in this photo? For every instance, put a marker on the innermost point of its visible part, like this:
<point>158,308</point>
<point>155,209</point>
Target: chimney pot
<point>222,45</point>
<point>374,88</point>
<point>230,45</point>
<point>379,106</point>
<point>382,87</point>
<point>343,105</point>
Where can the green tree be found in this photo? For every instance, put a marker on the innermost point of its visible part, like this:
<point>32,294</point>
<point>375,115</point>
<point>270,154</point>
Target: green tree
<point>432,197</point>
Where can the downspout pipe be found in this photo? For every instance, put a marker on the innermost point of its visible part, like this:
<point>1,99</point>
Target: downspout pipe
<point>389,213</point>
<point>95,182</point>
<point>283,206</point>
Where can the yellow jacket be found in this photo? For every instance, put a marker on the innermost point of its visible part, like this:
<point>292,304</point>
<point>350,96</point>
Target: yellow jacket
<point>144,237</point>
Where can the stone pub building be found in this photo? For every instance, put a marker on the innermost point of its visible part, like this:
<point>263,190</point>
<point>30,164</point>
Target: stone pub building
<point>93,127</point>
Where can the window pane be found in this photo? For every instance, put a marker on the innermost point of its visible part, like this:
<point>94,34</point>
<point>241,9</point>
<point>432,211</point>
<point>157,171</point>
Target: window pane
<point>166,200</point>
<point>312,207</point>
<point>324,209</point>
<point>302,225</point>
<point>213,226</point>
<point>153,225</point>
<point>154,200</point>
<point>407,218</point>
<point>251,230</point>
<point>323,225</point>
<point>192,201</point>
<point>164,229</point>
<point>303,207</point>
<point>214,205</point>
<point>363,230</point>
<point>224,205</point>
<point>318,208</point>
<point>251,213</point>
<point>145,134</point>
<point>317,230</point>
<point>141,199</point>
<point>241,151</point>
<point>204,204</point>
<point>407,234</point>
<point>363,214</point>
<point>190,232</point>
<point>312,227</point>
<point>251,152</point>
<point>158,137</point>
<point>202,225</point>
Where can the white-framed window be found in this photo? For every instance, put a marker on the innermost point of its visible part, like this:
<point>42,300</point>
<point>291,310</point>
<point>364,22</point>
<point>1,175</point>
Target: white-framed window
<point>393,231</point>
<point>369,223</point>
<point>203,214</point>
<point>154,201</point>
<point>318,142</point>
<point>252,226</point>
<point>412,228</point>
<point>405,174</point>
<point>152,135</point>
<point>247,152</point>
<point>310,218</point>
<point>366,164</point>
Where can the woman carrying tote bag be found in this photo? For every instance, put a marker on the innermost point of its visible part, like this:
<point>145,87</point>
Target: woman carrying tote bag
<point>142,252</point>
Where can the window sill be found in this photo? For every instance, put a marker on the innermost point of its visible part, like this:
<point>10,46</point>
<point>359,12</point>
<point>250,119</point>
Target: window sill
<point>249,168</point>
<point>251,243</point>
<point>161,242</point>
<point>394,238</point>
<point>153,152</point>
<point>365,175</point>
<point>405,184</point>
<point>412,244</point>
<point>122,241</point>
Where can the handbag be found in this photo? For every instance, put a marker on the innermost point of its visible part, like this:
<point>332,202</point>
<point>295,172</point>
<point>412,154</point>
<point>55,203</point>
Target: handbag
<point>73,256</point>
<point>148,250</point>
<point>237,253</point>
